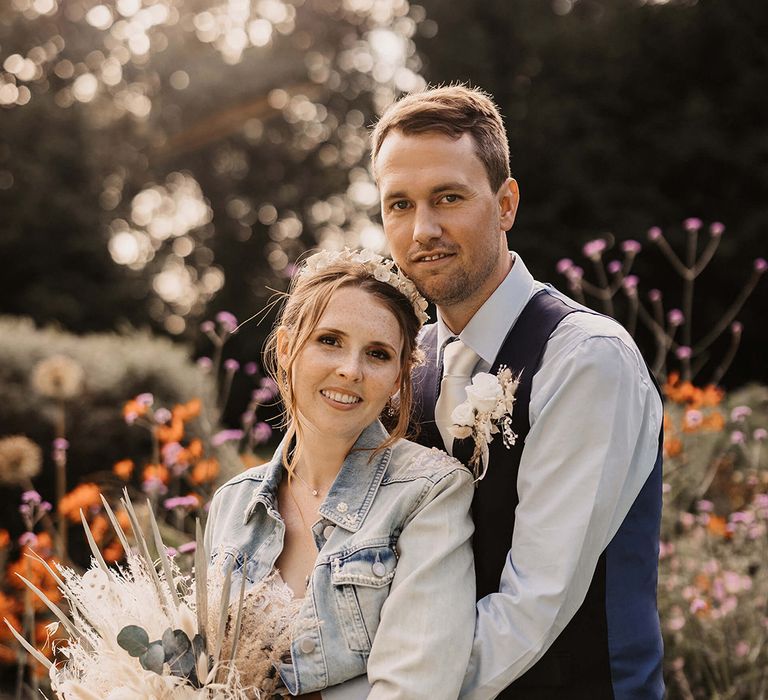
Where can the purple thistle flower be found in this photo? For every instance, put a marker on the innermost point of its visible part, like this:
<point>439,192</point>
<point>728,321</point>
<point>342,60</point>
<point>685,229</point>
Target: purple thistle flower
<point>675,317</point>
<point>683,352</point>
<point>60,444</point>
<point>761,265</point>
<point>630,283</point>
<point>654,233</point>
<point>760,434</point>
<point>716,229</point>
<point>207,327</point>
<point>188,547</point>
<point>692,224</point>
<point>231,365</point>
<point>262,432</point>
<point>170,453</point>
<point>145,399</point>
<point>614,267</point>
<point>575,273</point>
<point>180,502</point>
<point>564,265</point>
<point>32,497</point>
<point>261,396</point>
<point>162,416</point>
<point>654,295</point>
<point>737,437</point>
<point>594,249</point>
<point>631,247</point>
<point>704,506</point>
<point>45,507</point>
<point>171,552</point>
<point>227,321</point>
<point>28,538</point>
<point>251,368</point>
<point>269,383</point>
<point>25,509</point>
<point>736,328</point>
<point>154,487</point>
<point>131,417</point>
<point>225,436</point>
<point>739,413</point>
<point>204,363</point>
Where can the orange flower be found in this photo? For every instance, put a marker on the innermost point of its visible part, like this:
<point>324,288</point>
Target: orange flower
<point>5,538</point>
<point>195,448</point>
<point>718,526</point>
<point>251,460</point>
<point>113,552</point>
<point>714,422</point>
<point>99,528</point>
<point>123,469</point>
<point>123,520</point>
<point>82,497</point>
<point>672,447</point>
<point>155,471</point>
<point>712,395</point>
<point>188,410</point>
<point>204,471</point>
<point>134,408</point>
<point>173,432</point>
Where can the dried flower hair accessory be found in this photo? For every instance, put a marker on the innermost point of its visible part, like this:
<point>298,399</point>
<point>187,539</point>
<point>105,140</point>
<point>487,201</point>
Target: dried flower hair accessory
<point>381,268</point>
<point>486,412</point>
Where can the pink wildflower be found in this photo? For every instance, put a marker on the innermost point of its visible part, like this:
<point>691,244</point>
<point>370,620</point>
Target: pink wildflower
<point>737,437</point>
<point>231,365</point>
<point>739,413</point>
<point>683,352</point>
<point>594,249</point>
<point>564,265</point>
<point>704,506</point>
<point>654,295</point>
<point>760,434</point>
<point>631,247</point>
<point>692,224</point>
<point>716,229</point>
<point>675,317</point>
<point>227,321</point>
<point>225,436</point>
<point>614,267</point>
<point>761,265</point>
<point>654,233</point>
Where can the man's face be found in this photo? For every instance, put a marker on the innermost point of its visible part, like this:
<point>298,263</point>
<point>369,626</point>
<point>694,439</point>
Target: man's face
<point>444,224</point>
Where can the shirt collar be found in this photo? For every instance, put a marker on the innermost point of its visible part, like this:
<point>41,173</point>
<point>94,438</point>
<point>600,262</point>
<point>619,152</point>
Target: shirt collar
<point>484,333</point>
<point>354,488</point>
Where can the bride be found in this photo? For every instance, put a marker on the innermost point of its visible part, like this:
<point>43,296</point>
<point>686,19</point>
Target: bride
<point>368,534</point>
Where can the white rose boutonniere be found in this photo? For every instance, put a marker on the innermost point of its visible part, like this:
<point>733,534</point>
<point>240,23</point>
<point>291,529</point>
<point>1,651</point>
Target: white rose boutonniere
<point>486,412</point>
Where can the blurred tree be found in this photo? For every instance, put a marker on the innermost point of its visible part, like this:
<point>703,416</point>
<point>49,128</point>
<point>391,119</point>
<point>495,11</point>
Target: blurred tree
<point>204,145</point>
<point>623,115</point>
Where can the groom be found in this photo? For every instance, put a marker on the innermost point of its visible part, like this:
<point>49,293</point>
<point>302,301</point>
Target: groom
<point>567,520</point>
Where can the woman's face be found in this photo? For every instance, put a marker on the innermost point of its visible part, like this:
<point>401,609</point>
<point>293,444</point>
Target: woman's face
<point>349,366</point>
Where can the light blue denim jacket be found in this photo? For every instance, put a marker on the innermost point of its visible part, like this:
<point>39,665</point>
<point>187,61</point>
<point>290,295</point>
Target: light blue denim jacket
<point>392,592</point>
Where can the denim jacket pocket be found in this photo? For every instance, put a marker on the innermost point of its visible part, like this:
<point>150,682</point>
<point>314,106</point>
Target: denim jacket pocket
<point>361,580</point>
<point>234,559</point>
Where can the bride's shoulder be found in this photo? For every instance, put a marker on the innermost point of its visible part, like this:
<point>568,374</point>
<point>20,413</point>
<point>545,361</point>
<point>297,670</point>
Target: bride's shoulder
<point>411,460</point>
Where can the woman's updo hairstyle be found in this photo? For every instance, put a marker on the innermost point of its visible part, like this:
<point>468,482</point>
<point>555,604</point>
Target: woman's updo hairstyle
<point>311,289</point>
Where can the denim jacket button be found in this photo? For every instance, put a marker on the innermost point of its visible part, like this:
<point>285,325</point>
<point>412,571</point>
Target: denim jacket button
<point>307,645</point>
<point>342,507</point>
<point>328,531</point>
<point>379,569</point>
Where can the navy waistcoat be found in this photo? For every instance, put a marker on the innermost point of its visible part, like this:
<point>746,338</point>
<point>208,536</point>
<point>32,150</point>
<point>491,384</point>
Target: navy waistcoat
<point>612,648</point>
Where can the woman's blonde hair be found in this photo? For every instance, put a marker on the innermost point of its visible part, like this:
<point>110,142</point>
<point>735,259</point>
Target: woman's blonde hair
<point>305,303</point>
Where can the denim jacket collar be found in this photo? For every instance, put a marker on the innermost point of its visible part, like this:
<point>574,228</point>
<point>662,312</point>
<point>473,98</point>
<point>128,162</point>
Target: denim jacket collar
<point>353,490</point>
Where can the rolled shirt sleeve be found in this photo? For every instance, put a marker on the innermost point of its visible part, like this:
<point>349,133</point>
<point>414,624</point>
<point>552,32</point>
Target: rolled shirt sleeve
<point>595,418</point>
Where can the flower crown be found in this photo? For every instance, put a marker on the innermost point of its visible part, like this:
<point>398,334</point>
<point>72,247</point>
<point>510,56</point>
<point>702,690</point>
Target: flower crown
<point>381,268</point>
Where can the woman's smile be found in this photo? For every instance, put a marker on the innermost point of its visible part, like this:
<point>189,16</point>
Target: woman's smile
<point>349,367</point>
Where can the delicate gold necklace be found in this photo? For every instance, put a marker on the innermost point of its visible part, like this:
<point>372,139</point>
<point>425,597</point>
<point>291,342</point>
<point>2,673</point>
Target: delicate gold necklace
<point>314,492</point>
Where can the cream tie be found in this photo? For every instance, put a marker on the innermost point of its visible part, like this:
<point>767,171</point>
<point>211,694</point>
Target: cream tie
<point>458,362</point>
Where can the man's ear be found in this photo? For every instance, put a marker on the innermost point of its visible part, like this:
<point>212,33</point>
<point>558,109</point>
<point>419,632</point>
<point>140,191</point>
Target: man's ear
<point>508,197</point>
<point>283,345</point>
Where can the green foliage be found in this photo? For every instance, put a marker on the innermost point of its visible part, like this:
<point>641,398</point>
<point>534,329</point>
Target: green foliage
<point>117,367</point>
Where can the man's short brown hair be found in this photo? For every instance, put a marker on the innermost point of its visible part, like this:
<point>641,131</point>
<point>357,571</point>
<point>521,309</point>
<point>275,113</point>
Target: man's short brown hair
<point>453,111</point>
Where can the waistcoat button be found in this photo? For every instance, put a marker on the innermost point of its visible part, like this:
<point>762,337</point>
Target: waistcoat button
<point>307,645</point>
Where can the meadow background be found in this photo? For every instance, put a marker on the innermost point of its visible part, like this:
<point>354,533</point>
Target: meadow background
<point>164,163</point>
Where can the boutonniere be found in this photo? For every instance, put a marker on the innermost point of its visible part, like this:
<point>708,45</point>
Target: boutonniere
<point>486,412</point>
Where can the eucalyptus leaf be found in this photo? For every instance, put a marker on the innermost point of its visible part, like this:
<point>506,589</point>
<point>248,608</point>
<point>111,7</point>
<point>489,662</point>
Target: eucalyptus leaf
<point>154,658</point>
<point>175,644</point>
<point>134,640</point>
